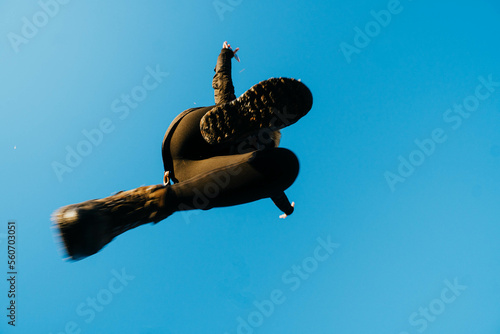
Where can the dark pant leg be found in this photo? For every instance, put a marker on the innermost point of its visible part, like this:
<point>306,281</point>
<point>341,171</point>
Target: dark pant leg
<point>235,179</point>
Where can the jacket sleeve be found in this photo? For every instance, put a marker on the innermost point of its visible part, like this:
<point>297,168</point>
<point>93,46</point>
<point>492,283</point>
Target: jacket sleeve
<point>222,83</point>
<point>282,202</point>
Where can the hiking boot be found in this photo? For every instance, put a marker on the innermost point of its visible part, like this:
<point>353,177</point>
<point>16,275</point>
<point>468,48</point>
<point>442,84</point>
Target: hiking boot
<point>271,104</point>
<point>85,228</point>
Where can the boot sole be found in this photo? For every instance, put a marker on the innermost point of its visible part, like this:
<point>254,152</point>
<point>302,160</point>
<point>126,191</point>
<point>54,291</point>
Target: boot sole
<point>80,231</point>
<point>271,104</point>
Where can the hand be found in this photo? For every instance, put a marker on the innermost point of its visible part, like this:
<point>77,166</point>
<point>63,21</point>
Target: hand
<point>226,45</point>
<point>166,178</point>
<point>283,216</point>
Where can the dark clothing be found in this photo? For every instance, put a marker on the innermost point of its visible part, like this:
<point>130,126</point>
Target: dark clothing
<point>207,176</point>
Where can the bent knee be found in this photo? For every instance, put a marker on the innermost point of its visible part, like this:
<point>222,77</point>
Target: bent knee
<point>280,165</point>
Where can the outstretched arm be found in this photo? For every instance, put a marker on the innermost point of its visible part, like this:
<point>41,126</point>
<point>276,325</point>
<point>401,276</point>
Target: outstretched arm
<point>222,82</point>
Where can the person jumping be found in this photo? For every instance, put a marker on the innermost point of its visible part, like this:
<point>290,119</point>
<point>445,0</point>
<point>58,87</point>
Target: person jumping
<point>217,156</point>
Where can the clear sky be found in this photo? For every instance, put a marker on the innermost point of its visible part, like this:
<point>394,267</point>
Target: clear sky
<point>397,219</point>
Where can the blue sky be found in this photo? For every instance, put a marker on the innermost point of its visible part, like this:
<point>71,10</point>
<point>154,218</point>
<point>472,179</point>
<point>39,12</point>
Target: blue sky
<point>396,224</point>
